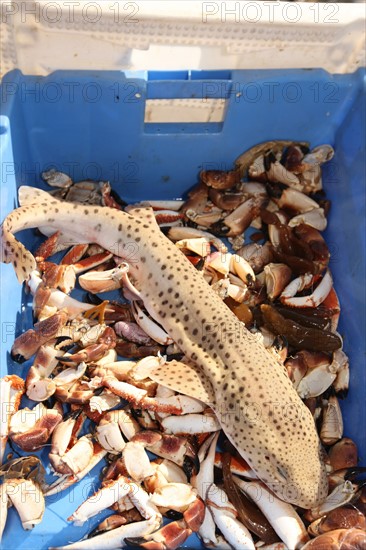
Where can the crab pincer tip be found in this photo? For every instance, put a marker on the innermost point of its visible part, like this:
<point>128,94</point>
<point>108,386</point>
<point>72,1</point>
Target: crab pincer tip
<point>65,359</point>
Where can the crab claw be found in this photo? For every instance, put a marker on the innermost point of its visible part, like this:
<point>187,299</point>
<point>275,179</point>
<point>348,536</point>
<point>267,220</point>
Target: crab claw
<point>28,343</point>
<point>67,480</point>
<point>30,429</point>
<point>28,500</point>
<point>171,536</point>
<point>93,352</point>
<point>174,534</point>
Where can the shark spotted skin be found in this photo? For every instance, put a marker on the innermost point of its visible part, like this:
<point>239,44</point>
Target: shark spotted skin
<point>250,392</point>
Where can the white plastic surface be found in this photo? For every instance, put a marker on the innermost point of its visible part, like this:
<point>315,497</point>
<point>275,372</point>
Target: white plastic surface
<point>41,37</point>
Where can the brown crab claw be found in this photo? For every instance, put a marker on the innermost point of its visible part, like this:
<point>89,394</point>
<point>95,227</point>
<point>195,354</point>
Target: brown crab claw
<point>343,454</point>
<point>31,434</point>
<point>241,218</point>
<point>292,159</point>
<point>220,179</point>
<point>58,276</point>
<point>28,343</point>
<point>174,534</point>
<point>197,199</point>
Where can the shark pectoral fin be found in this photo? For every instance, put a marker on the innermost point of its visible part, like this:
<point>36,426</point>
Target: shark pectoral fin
<point>186,379</point>
<point>31,195</point>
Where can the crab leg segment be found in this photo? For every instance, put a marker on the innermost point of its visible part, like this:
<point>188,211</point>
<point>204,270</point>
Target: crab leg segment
<point>175,448</point>
<point>138,397</point>
<point>191,424</point>
<point>237,466</point>
<point>75,254</point>
<point>112,540</point>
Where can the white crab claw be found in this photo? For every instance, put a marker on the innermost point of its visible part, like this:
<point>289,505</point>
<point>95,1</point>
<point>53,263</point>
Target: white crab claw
<point>149,326</point>
<point>224,515</point>
<point>114,539</point>
<point>101,500</point>
<point>28,499</point>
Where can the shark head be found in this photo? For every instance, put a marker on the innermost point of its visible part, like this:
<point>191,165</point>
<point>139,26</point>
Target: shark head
<point>279,441</point>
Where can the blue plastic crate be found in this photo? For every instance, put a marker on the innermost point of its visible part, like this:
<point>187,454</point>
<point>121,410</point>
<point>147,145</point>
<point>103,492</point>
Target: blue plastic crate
<point>91,125</point>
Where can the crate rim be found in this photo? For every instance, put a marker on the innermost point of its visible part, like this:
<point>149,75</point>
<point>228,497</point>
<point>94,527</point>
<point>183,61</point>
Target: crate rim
<point>146,35</point>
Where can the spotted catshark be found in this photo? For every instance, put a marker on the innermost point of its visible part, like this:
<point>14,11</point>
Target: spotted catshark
<point>228,367</point>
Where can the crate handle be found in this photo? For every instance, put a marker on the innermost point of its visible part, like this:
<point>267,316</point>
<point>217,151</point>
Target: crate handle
<point>186,97</point>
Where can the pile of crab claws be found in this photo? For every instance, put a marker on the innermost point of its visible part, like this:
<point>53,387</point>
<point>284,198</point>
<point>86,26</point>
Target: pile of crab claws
<point>301,253</point>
